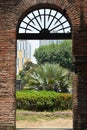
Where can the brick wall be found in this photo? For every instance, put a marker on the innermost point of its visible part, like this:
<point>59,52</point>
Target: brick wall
<point>11,13</point>
<point>7,67</point>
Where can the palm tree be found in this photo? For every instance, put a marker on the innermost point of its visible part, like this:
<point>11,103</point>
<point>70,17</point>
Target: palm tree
<point>49,77</point>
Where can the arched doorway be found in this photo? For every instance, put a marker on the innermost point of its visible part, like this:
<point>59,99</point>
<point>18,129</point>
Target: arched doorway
<point>45,23</point>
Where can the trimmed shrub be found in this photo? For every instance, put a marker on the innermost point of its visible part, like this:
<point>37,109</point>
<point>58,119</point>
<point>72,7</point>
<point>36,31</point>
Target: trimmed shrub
<point>43,100</point>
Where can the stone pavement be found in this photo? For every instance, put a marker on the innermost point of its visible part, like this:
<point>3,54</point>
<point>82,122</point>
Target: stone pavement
<point>43,129</point>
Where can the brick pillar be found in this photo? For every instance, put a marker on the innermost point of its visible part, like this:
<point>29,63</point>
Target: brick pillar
<point>7,67</point>
<point>80,80</point>
<point>7,80</point>
<point>80,97</point>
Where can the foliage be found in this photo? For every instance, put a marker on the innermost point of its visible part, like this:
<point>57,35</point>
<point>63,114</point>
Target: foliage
<point>50,77</point>
<point>23,74</point>
<point>56,53</point>
<point>28,65</point>
<point>43,100</point>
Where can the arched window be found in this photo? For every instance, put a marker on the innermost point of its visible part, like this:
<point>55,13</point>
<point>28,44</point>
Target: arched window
<point>44,23</point>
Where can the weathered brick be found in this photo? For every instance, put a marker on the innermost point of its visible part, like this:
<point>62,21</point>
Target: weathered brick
<point>11,13</point>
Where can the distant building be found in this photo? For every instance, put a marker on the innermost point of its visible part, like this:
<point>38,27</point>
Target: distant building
<point>47,42</point>
<point>23,53</point>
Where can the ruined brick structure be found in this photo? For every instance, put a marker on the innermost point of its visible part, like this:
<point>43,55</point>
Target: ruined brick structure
<point>11,13</point>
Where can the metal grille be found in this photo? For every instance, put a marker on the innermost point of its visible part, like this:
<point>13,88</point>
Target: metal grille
<point>43,24</point>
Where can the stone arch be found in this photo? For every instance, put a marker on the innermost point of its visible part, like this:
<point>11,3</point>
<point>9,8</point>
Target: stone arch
<point>69,7</point>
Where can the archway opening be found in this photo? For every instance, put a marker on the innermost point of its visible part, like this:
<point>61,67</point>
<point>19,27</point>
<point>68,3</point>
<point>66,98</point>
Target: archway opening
<point>44,23</point>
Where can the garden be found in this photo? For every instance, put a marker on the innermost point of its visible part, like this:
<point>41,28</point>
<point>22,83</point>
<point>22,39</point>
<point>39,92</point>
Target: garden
<point>47,85</point>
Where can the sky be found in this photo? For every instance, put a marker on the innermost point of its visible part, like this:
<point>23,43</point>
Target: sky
<point>34,45</point>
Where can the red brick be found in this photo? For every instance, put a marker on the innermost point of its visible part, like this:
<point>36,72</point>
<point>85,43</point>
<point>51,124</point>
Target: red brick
<point>11,12</point>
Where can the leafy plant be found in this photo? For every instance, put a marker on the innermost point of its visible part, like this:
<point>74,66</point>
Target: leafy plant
<point>23,74</point>
<point>49,77</point>
<point>43,100</point>
<point>56,53</point>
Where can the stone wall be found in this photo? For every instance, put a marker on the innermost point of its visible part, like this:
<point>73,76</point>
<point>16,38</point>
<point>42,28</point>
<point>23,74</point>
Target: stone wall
<point>11,13</point>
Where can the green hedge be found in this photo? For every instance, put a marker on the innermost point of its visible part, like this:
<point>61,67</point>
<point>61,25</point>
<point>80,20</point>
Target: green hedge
<point>43,100</point>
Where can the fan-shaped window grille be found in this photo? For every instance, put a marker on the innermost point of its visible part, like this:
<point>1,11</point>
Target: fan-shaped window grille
<point>44,24</point>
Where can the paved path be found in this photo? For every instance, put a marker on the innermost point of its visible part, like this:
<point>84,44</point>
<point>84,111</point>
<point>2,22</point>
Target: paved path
<point>43,129</point>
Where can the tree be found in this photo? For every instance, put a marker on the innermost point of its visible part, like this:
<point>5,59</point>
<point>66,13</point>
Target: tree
<point>49,77</point>
<point>23,74</point>
<point>56,53</point>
